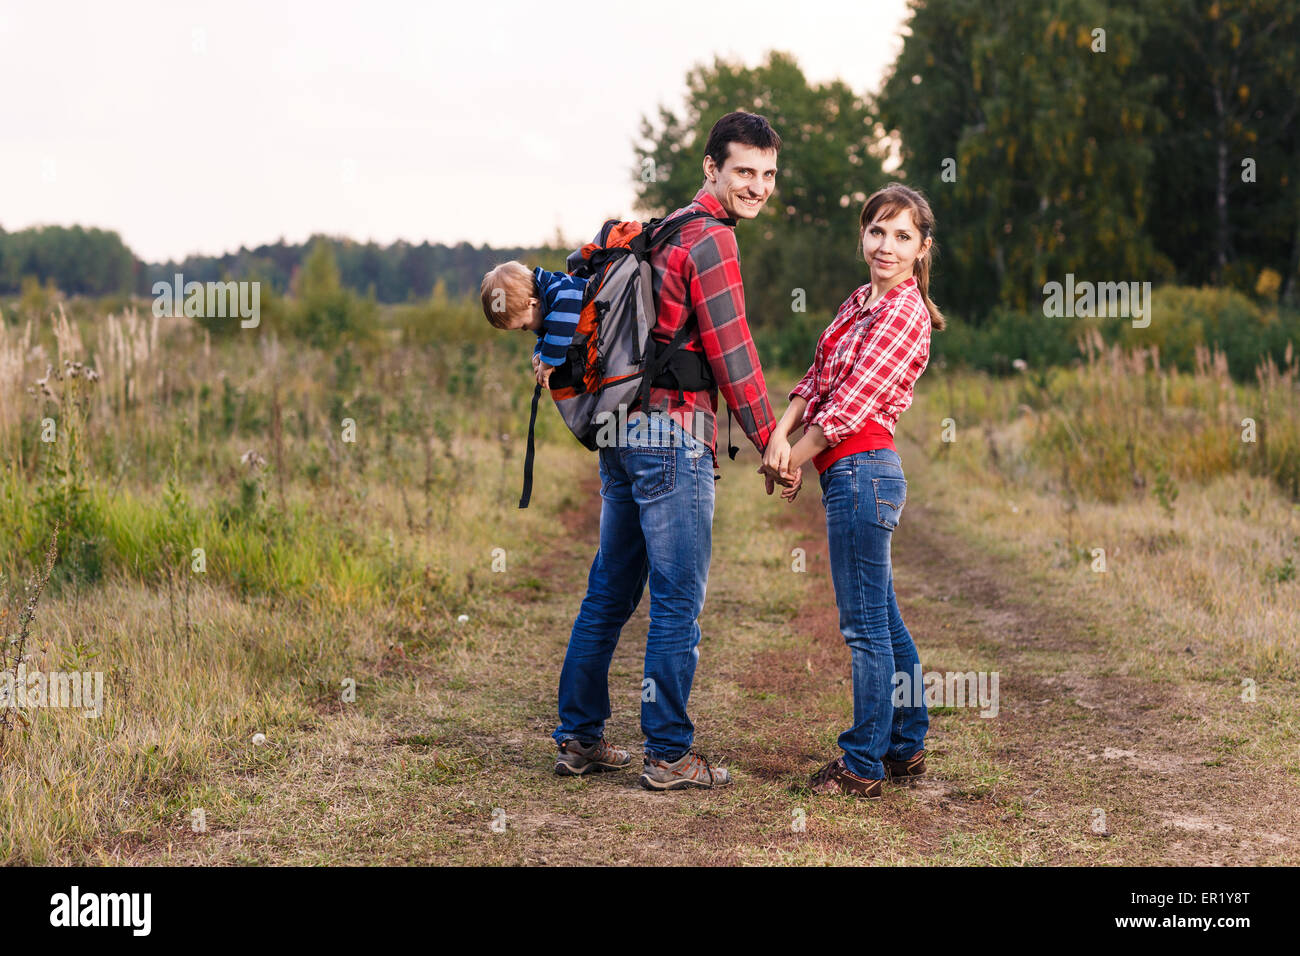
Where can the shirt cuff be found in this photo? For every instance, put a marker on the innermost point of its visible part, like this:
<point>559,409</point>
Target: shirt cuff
<point>833,431</point>
<point>804,391</point>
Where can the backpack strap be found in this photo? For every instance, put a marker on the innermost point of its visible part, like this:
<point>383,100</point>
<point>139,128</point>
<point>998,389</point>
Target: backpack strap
<point>661,232</point>
<point>528,456</point>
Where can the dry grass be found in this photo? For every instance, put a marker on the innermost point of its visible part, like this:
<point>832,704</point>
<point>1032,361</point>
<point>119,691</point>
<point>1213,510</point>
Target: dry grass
<point>337,561</point>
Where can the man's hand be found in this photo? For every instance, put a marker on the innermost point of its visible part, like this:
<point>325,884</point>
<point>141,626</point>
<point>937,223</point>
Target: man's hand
<point>792,492</point>
<point>774,477</point>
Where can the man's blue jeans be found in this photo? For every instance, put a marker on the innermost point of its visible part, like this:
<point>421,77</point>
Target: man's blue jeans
<point>864,496</point>
<point>656,525</point>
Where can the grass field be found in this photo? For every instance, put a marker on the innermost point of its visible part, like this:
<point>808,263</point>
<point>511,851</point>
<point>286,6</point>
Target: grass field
<point>258,538</point>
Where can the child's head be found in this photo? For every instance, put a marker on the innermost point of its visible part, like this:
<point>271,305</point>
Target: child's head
<point>509,294</point>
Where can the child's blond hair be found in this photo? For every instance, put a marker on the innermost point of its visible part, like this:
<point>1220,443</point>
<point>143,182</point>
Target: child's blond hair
<point>506,291</point>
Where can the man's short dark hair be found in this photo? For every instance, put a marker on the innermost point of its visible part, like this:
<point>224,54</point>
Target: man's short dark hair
<point>748,129</point>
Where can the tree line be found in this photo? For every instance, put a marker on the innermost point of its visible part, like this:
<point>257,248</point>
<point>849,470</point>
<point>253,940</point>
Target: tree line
<point>97,262</point>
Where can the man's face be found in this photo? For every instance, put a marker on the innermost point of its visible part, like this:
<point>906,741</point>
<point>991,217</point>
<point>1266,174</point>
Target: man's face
<point>744,181</point>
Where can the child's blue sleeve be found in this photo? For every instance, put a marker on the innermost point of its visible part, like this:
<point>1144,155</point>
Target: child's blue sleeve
<point>562,297</point>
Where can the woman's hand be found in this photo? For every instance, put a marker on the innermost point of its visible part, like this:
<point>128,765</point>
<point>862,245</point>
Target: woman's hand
<point>810,445</point>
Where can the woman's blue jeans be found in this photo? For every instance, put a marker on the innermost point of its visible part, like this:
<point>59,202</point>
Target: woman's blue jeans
<point>864,495</point>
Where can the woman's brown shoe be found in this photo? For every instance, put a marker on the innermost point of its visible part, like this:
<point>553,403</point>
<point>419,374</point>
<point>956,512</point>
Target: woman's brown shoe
<point>914,766</point>
<point>835,777</point>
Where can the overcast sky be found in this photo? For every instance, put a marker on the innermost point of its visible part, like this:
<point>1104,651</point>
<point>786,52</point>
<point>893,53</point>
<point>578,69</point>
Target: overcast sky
<point>200,127</point>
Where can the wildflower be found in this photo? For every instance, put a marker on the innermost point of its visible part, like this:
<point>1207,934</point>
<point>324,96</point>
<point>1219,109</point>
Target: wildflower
<point>252,459</point>
<point>1020,365</point>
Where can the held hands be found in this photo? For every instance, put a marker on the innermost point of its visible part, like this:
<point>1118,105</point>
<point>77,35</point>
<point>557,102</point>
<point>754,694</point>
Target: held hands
<point>776,469</point>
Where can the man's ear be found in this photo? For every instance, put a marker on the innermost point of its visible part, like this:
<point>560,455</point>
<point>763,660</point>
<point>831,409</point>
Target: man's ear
<point>710,168</point>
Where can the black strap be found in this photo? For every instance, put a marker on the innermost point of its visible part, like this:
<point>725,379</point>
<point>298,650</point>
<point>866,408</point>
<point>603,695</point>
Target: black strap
<point>528,456</point>
<point>732,450</point>
<point>684,371</point>
<point>661,232</point>
<point>658,362</point>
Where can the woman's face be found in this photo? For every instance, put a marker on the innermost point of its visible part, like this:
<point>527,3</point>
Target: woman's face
<point>892,247</point>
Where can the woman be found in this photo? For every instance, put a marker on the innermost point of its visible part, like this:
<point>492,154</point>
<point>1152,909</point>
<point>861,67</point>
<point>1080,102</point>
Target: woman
<point>861,379</point>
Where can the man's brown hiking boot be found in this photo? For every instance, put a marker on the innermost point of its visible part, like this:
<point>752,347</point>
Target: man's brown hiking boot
<point>690,770</point>
<point>576,758</point>
<point>835,777</point>
<point>910,768</point>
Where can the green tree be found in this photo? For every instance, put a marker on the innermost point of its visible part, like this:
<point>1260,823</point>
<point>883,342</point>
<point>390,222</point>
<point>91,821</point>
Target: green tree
<point>324,311</point>
<point>1227,197</point>
<point>1031,133</point>
<point>77,260</point>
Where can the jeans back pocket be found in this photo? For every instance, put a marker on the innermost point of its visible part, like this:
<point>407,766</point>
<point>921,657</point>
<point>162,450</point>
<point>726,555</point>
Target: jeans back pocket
<point>891,495</point>
<point>652,471</point>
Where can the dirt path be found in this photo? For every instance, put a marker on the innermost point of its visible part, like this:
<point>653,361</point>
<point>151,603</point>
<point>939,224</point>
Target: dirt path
<point>1084,763</point>
<point>1074,736</point>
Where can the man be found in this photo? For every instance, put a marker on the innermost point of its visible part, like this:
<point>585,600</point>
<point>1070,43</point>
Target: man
<point>656,521</point>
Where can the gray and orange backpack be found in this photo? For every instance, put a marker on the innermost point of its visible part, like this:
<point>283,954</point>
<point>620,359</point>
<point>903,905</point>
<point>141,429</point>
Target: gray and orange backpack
<point>614,359</point>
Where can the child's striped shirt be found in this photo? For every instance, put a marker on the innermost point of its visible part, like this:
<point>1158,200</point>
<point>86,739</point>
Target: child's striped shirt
<point>561,296</point>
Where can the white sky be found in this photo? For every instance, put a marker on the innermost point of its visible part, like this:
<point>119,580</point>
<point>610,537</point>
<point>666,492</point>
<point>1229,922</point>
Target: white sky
<point>200,127</point>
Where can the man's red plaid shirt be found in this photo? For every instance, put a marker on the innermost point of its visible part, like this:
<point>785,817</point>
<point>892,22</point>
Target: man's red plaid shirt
<point>698,271</point>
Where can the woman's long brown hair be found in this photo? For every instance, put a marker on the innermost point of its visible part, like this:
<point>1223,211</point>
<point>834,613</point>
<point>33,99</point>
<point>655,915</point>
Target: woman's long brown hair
<point>891,200</point>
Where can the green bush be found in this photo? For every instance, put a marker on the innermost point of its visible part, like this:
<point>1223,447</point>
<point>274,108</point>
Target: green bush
<point>1183,318</point>
<point>440,320</point>
<point>788,344</point>
<point>325,312</point>
<point>1007,335</point>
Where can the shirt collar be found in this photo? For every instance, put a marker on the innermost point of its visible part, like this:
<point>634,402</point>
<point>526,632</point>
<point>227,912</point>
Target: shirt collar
<point>710,204</point>
<point>864,292</point>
